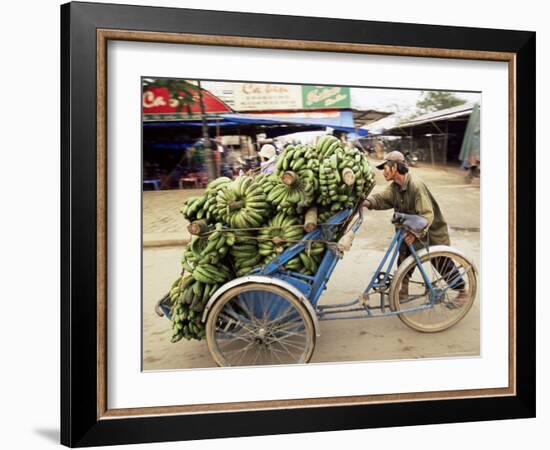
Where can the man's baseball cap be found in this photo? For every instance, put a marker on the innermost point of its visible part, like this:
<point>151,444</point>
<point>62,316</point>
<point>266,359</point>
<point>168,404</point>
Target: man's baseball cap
<point>392,156</point>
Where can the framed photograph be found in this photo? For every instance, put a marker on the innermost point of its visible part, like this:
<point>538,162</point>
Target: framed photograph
<point>279,224</point>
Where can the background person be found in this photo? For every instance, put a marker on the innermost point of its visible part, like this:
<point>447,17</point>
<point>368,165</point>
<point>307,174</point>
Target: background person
<point>269,158</point>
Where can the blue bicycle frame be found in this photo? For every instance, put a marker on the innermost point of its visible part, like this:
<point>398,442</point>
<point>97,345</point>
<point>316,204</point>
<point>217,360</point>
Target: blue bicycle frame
<point>313,286</point>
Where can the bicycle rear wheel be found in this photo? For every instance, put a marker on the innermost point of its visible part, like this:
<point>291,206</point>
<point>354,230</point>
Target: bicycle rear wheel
<point>454,282</point>
<point>258,324</point>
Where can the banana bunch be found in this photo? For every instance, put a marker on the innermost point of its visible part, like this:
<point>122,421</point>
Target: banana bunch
<point>293,198</point>
<point>337,159</point>
<point>211,249</point>
<point>267,182</point>
<point>244,253</point>
<point>211,193</point>
<point>204,260</point>
<point>242,203</point>
<point>192,208</point>
<point>307,262</point>
<point>326,146</point>
<point>296,158</point>
<point>304,264</point>
<point>204,207</point>
<point>207,250</point>
<point>332,191</point>
<point>294,185</point>
<point>189,297</point>
<point>186,323</point>
<point>281,232</point>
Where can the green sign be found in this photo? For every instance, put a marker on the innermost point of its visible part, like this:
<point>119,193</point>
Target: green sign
<point>319,97</point>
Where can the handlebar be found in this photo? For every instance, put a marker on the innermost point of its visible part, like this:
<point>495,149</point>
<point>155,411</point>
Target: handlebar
<point>413,223</point>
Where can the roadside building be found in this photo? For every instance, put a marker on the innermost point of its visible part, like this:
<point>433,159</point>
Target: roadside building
<point>435,138</point>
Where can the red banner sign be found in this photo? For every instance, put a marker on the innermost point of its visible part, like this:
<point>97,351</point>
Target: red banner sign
<point>156,100</point>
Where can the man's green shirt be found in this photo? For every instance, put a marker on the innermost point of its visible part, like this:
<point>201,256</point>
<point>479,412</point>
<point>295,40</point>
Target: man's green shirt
<point>414,197</point>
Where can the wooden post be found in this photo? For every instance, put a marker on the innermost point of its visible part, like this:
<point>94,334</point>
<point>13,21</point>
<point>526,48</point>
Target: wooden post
<point>446,142</point>
<point>310,221</point>
<point>348,176</point>
<point>432,149</point>
<point>289,178</point>
<point>197,228</point>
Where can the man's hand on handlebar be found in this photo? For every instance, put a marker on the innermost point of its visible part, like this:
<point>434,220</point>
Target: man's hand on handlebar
<point>409,238</point>
<point>366,204</point>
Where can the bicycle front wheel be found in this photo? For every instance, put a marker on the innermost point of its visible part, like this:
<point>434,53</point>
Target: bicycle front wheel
<point>453,292</point>
<point>258,324</point>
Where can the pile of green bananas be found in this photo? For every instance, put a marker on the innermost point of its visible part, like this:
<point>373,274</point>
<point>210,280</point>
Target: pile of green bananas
<point>186,323</point>
<point>244,253</point>
<point>295,182</point>
<point>296,197</point>
<point>296,158</point>
<point>267,182</point>
<point>204,207</point>
<point>334,191</point>
<point>326,145</point>
<point>211,249</point>
<point>281,232</point>
<point>192,208</point>
<point>328,176</point>
<point>205,261</point>
<point>242,203</point>
<point>188,297</point>
<point>307,261</point>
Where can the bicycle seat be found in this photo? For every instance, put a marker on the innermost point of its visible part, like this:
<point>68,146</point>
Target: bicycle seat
<point>412,222</point>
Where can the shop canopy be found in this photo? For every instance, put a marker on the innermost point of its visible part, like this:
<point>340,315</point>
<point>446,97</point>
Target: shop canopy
<point>341,120</point>
<point>273,124</point>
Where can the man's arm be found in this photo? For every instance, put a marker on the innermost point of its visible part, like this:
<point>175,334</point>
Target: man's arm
<point>423,205</point>
<point>381,200</point>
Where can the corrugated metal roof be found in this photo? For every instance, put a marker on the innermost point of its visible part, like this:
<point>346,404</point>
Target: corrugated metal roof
<point>437,116</point>
<point>364,117</point>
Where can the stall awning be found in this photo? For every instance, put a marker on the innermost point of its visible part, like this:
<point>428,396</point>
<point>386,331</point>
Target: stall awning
<point>339,120</point>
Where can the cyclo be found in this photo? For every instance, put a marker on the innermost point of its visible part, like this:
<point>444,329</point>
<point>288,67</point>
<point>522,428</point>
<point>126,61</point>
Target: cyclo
<point>272,315</point>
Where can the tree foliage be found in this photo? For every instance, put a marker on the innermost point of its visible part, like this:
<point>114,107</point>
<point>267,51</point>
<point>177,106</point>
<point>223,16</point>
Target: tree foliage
<point>431,101</point>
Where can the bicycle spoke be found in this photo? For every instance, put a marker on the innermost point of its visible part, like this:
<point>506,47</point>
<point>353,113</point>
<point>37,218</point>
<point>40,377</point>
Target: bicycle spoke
<point>244,305</point>
<point>286,348</point>
<point>275,352</point>
<point>258,351</point>
<point>286,335</point>
<point>234,336</point>
<point>286,313</point>
<point>290,344</point>
<point>286,325</point>
<point>240,351</point>
<point>226,317</point>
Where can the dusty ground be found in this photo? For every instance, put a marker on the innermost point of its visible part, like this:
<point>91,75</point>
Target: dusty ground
<point>340,340</point>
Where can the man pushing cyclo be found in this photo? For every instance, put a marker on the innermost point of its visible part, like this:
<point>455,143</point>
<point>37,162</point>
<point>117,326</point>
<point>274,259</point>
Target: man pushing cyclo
<point>413,203</point>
